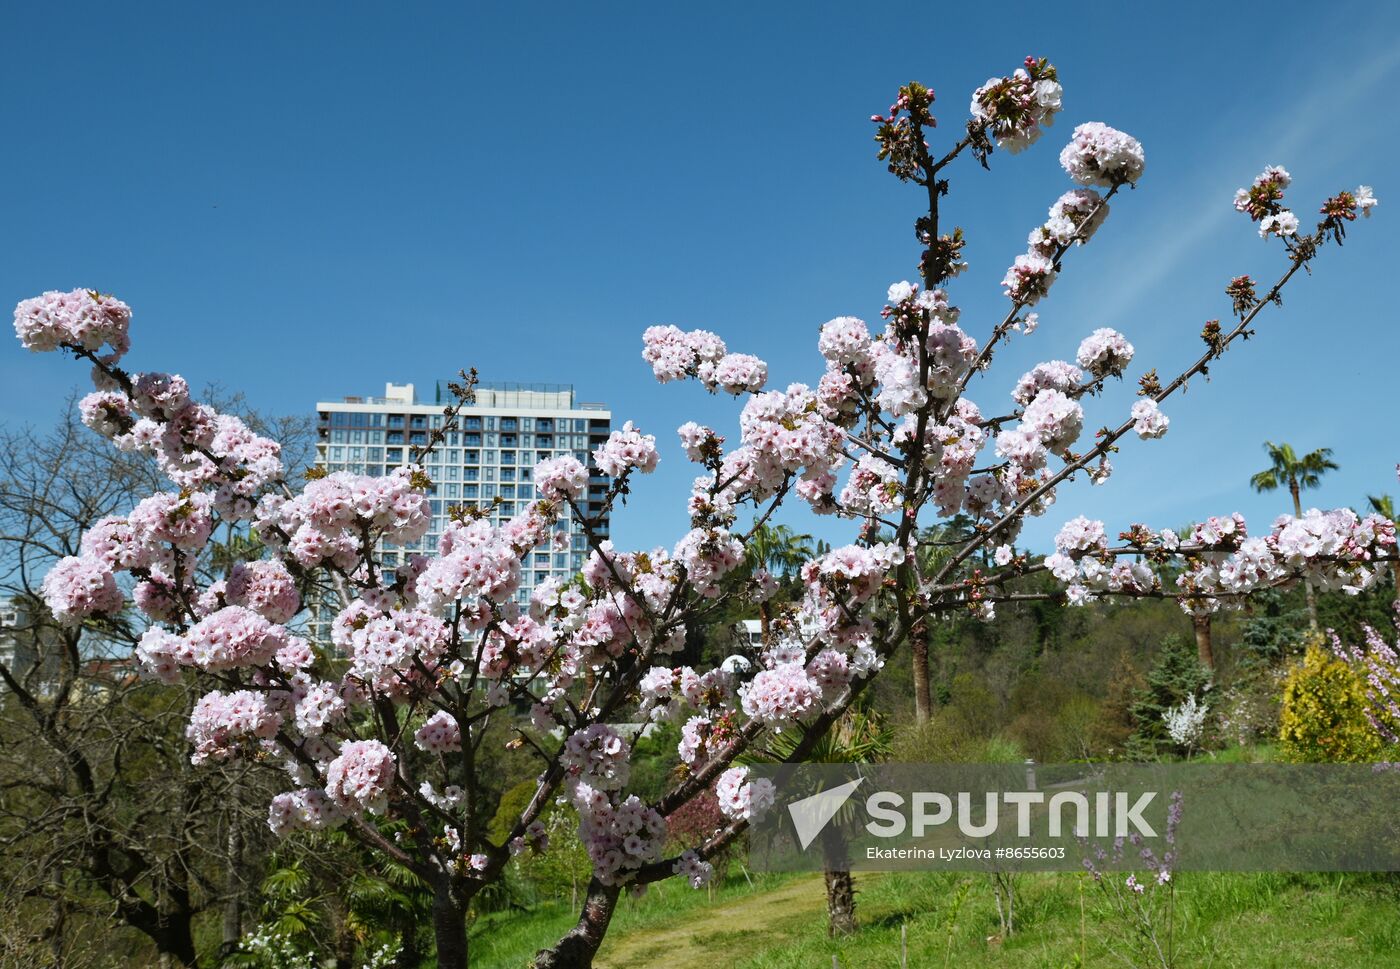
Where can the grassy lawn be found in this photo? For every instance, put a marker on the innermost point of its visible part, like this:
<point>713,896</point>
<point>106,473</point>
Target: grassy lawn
<point>1246,920</point>
<point>506,940</point>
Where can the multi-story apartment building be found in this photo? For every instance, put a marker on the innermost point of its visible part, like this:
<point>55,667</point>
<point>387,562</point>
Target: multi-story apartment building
<point>20,648</point>
<point>488,462</point>
<point>13,653</point>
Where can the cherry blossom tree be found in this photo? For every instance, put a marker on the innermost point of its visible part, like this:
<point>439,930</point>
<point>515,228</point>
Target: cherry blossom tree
<point>386,721</point>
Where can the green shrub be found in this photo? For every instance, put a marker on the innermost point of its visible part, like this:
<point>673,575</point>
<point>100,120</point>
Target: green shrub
<point>1324,711</point>
<point>1175,675</point>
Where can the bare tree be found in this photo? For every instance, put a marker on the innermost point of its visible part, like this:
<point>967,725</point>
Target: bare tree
<point>101,814</point>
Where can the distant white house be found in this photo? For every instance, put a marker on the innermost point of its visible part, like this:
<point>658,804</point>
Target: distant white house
<point>753,631</point>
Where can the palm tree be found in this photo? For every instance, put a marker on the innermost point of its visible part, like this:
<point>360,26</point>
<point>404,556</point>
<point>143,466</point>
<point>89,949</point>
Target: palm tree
<point>1201,623</point>
<point>1295,473</point>
<point>778,549</point>
<point>859,737</point>
<point>782,552</point>
<point>327,900</point>
<point>1205,647</point>
<point>1384,506</point>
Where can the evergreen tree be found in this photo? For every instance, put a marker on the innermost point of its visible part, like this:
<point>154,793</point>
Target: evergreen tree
<point>1176,674</point>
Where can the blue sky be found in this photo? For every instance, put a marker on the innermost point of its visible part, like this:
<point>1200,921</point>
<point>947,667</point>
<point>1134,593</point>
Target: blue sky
<point>304,201</point>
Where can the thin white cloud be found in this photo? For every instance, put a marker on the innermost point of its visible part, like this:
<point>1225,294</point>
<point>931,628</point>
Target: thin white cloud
<point>1305,132</point>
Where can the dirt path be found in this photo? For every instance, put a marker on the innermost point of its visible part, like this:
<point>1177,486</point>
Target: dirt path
<point>724,933</point>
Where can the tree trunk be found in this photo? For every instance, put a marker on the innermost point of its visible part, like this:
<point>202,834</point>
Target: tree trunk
<point>341,934</point>
<point>923,703</point>
<point>450,926</point>
<point>577,949</point>
<point>233,888</point>
<point>840,884</point>
<point>409,956</point>
<point>58,931</point>
<point>1295,491</point>
<point>176,943</point>
<point>1312,603</point>
<point>840,903</point>
<point>343,948</point>
<point>1205,651</point>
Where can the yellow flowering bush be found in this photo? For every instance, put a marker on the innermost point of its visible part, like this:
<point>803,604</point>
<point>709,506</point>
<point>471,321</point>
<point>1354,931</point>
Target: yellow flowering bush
<point>1324,711</point>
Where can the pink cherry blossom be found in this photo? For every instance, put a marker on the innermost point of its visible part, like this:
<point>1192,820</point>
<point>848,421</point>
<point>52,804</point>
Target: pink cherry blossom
<point>266,587</point>
<point>439,734</point>
<point>1103,156</point>
<point>79,587</point>
<point>360,778</point>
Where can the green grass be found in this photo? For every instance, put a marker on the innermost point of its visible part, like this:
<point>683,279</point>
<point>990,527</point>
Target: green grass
<point>507,940</point>
<point>1254,754</point>
<point>1251,920</point>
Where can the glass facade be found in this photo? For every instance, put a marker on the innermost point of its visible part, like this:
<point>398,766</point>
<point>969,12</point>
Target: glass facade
<point>488,460</point>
